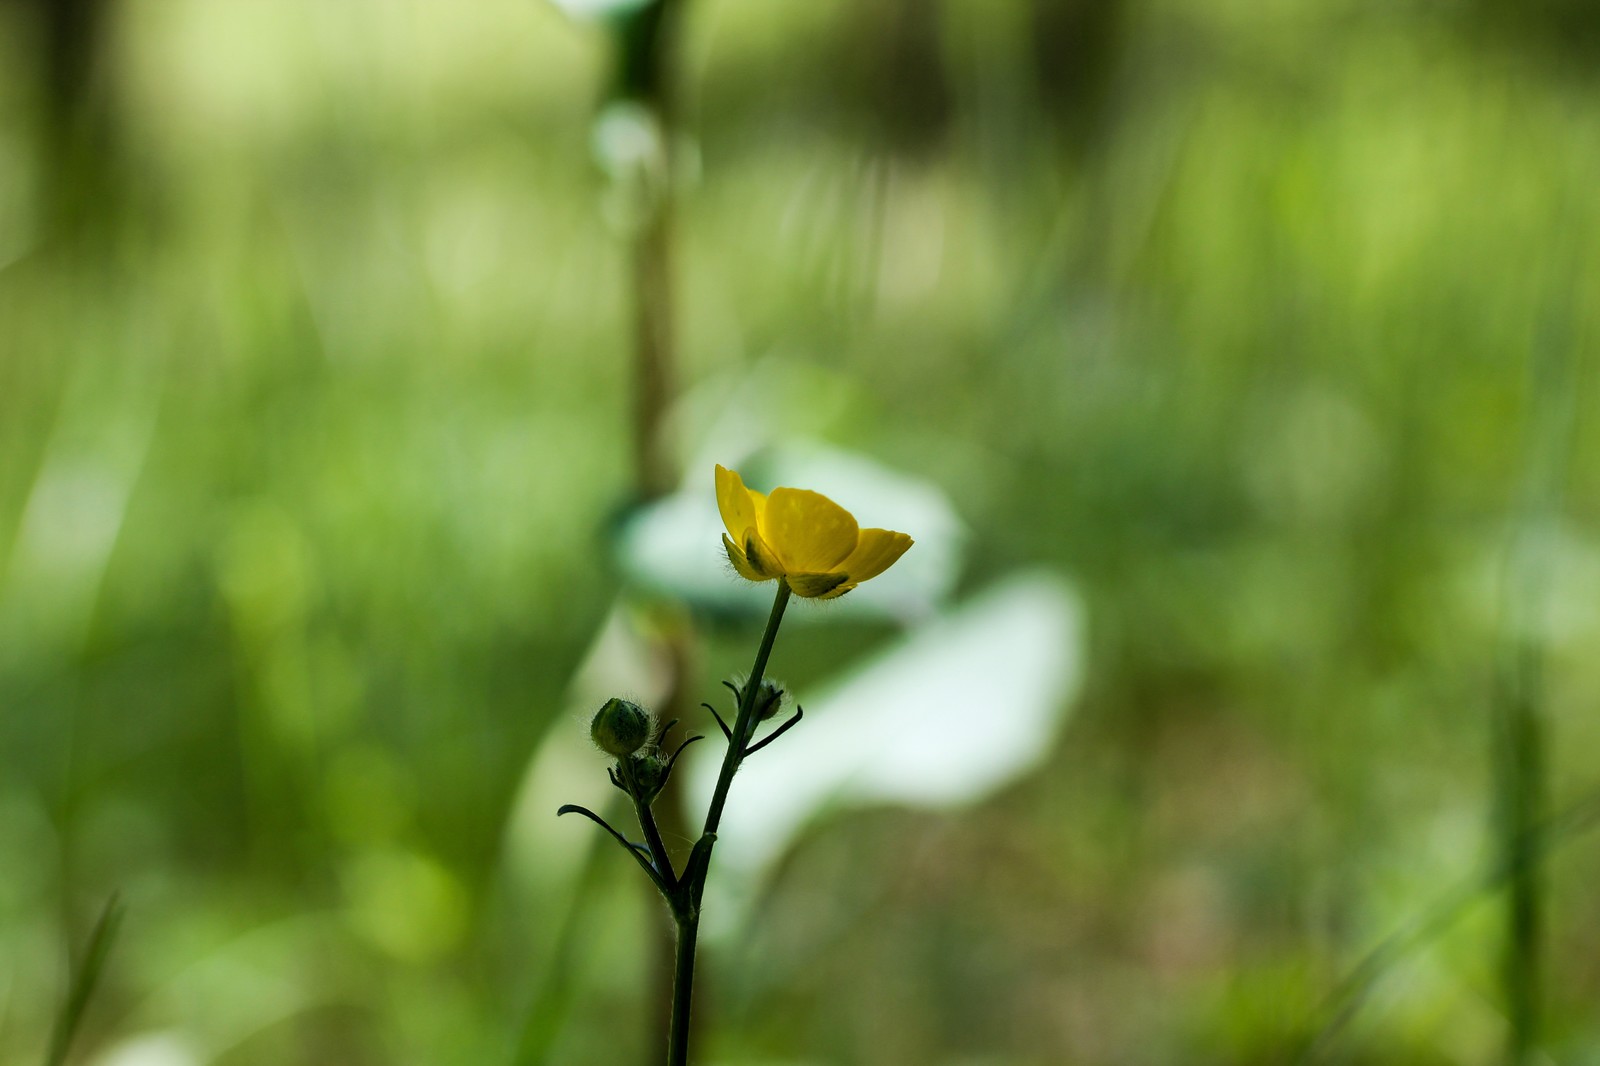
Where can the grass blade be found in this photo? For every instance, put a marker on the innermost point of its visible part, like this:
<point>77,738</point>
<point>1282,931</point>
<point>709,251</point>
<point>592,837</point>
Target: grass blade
<point>84,980</point>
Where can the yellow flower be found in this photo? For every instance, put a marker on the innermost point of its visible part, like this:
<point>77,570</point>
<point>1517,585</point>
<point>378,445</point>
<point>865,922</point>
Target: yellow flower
<point>802,536</point>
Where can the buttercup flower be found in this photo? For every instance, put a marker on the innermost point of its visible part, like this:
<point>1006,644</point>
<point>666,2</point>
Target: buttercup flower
<point>802,536</point>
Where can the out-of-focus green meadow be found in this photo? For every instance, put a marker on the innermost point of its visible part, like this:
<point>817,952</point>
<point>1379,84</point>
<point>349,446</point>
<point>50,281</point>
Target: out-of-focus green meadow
<point>1269,326</point>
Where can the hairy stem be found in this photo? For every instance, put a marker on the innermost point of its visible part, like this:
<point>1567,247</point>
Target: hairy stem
<point>686,900</point>
<point>747,704</point>
<point>682,993</point>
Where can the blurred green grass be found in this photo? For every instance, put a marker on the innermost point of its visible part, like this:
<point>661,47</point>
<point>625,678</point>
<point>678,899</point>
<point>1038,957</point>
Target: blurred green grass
<point>308,454</point>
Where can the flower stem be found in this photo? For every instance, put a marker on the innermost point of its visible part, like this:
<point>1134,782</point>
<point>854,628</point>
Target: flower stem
<point>685,900</point>
<point>682,992</point>
<point>743,726</point>
<point>652,833</point>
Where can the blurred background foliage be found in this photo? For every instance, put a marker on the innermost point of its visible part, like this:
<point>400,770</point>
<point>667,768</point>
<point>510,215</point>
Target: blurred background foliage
<point>1269,323</point>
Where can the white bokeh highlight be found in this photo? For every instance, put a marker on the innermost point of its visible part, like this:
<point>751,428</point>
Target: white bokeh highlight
<point>957,709</point>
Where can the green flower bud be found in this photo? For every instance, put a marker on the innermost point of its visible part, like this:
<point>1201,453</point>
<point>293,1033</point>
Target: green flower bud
<point>620,728</point>
<point>769,698</point>
<point>649,771</point>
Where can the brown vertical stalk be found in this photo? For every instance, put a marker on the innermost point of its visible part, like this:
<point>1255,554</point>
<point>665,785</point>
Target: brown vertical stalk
<point>647,75</point>
<point>647,69</point>
<point>77,148</point>
<point>653,354</point>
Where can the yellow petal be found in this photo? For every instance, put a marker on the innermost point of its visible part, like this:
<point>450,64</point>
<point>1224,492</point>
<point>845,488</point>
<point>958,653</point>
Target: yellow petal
<point>810,533</point>
<point>741,563</point>
<point>733,500</point>
<point>815,585</point>
<point>876,551</point>
<point>761,555</point>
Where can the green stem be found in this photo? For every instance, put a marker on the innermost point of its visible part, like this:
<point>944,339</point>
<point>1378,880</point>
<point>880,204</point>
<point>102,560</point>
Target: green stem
<point>741,728</point>
<point>686,900</point>
<point>682,993</point>
<point>652,834</point>
<point>84,979</point>
<point>1522,804</point>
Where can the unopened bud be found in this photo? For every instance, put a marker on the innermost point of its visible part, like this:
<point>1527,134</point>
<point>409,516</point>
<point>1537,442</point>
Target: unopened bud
<point>620,728</point>
<point>769,698</point>
<point>649,770</point>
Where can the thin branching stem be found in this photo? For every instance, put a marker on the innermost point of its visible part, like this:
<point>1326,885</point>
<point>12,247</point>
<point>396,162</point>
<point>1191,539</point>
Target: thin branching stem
<point>723,725</point>
<point>652,834</point>
<point>799,713</point>
<point>747,703</point>
<point>686,901</point>
<point>627,845</point>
